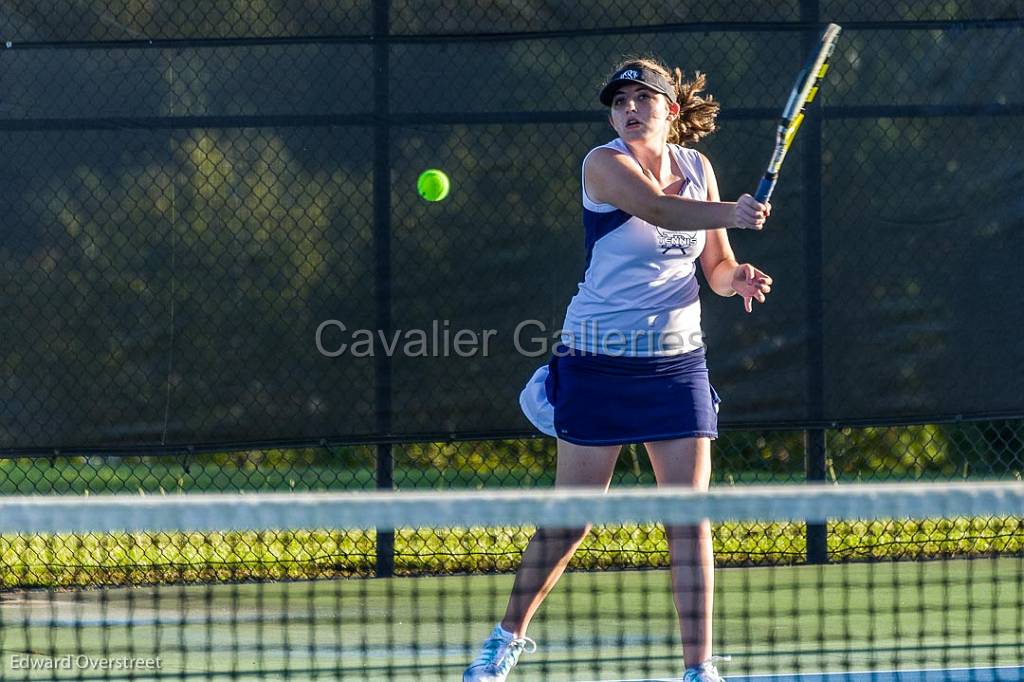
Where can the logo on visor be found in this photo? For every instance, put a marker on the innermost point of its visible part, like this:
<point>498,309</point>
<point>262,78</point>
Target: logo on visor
<point>630,75</point>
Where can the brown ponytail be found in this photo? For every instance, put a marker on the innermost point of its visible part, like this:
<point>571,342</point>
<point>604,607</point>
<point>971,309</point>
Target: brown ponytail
<point>696,114</point>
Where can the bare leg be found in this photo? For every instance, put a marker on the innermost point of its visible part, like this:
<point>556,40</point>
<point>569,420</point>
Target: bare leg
<point>687,462</point>
<point>550,549</point>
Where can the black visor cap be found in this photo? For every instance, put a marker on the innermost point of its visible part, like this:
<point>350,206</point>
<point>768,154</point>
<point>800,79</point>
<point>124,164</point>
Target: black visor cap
<point>634,73</point>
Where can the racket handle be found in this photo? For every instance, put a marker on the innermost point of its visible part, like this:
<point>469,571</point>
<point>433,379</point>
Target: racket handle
<point>764,190</point>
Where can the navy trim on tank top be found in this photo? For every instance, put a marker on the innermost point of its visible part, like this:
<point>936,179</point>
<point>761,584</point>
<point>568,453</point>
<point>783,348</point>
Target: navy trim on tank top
<point>597,225</point>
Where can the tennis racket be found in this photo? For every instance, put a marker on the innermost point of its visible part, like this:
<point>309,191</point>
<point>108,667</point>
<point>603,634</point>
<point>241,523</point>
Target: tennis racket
<point>803,93</point>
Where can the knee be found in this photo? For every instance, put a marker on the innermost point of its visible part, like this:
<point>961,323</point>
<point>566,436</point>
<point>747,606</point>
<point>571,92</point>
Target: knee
<point>700,532</point>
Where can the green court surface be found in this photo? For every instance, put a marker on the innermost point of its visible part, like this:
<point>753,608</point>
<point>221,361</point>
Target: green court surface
<point>595,626</point>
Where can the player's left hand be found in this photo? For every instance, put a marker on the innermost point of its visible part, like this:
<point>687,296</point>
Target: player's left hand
<point>751,284</point>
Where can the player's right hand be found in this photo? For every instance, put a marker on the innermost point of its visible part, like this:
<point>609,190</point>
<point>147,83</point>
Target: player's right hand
<point>750,214</point>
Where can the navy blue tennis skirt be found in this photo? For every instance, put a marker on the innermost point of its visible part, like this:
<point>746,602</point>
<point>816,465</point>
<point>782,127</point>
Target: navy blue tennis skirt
<point>592,399</point>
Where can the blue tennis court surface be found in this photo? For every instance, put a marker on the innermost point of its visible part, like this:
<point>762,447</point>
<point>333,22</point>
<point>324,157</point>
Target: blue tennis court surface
<point>994,674</point>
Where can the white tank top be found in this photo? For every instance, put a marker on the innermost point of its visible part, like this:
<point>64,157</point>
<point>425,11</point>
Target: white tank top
<point>639,294</point>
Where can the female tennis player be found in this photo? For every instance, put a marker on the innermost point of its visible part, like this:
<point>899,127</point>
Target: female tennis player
<point>631,366</point>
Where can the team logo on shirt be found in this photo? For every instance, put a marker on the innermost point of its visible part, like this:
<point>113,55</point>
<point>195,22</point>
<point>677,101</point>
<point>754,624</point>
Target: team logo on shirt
<point>670,239</point>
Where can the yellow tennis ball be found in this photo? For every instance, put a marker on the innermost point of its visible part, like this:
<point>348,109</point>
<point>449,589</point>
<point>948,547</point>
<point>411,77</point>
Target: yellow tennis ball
<point>433,185</point>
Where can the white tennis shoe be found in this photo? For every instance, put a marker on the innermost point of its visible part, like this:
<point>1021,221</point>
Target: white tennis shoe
<point>498,656</point>
<point>705,672</point>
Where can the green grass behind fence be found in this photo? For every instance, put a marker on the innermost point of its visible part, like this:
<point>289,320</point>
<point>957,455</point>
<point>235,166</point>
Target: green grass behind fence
<point>140,558</point>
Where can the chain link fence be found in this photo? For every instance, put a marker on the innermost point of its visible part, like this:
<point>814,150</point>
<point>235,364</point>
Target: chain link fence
<point>985,450</point>
<point>944,452</point>
<point>205,203</point>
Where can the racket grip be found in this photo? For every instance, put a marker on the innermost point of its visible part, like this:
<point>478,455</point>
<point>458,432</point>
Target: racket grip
<point>764,189</point>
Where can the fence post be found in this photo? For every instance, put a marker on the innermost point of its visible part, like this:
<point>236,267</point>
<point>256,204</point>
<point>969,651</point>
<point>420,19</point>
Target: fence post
<point>814,250</point>
<point>385,546</point>
<point>817,533</point>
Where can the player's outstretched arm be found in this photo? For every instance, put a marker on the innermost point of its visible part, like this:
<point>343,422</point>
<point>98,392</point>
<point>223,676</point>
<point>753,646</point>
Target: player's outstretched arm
<point>615,178</point>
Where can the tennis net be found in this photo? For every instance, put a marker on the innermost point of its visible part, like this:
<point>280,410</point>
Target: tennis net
<point>954,611</point>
